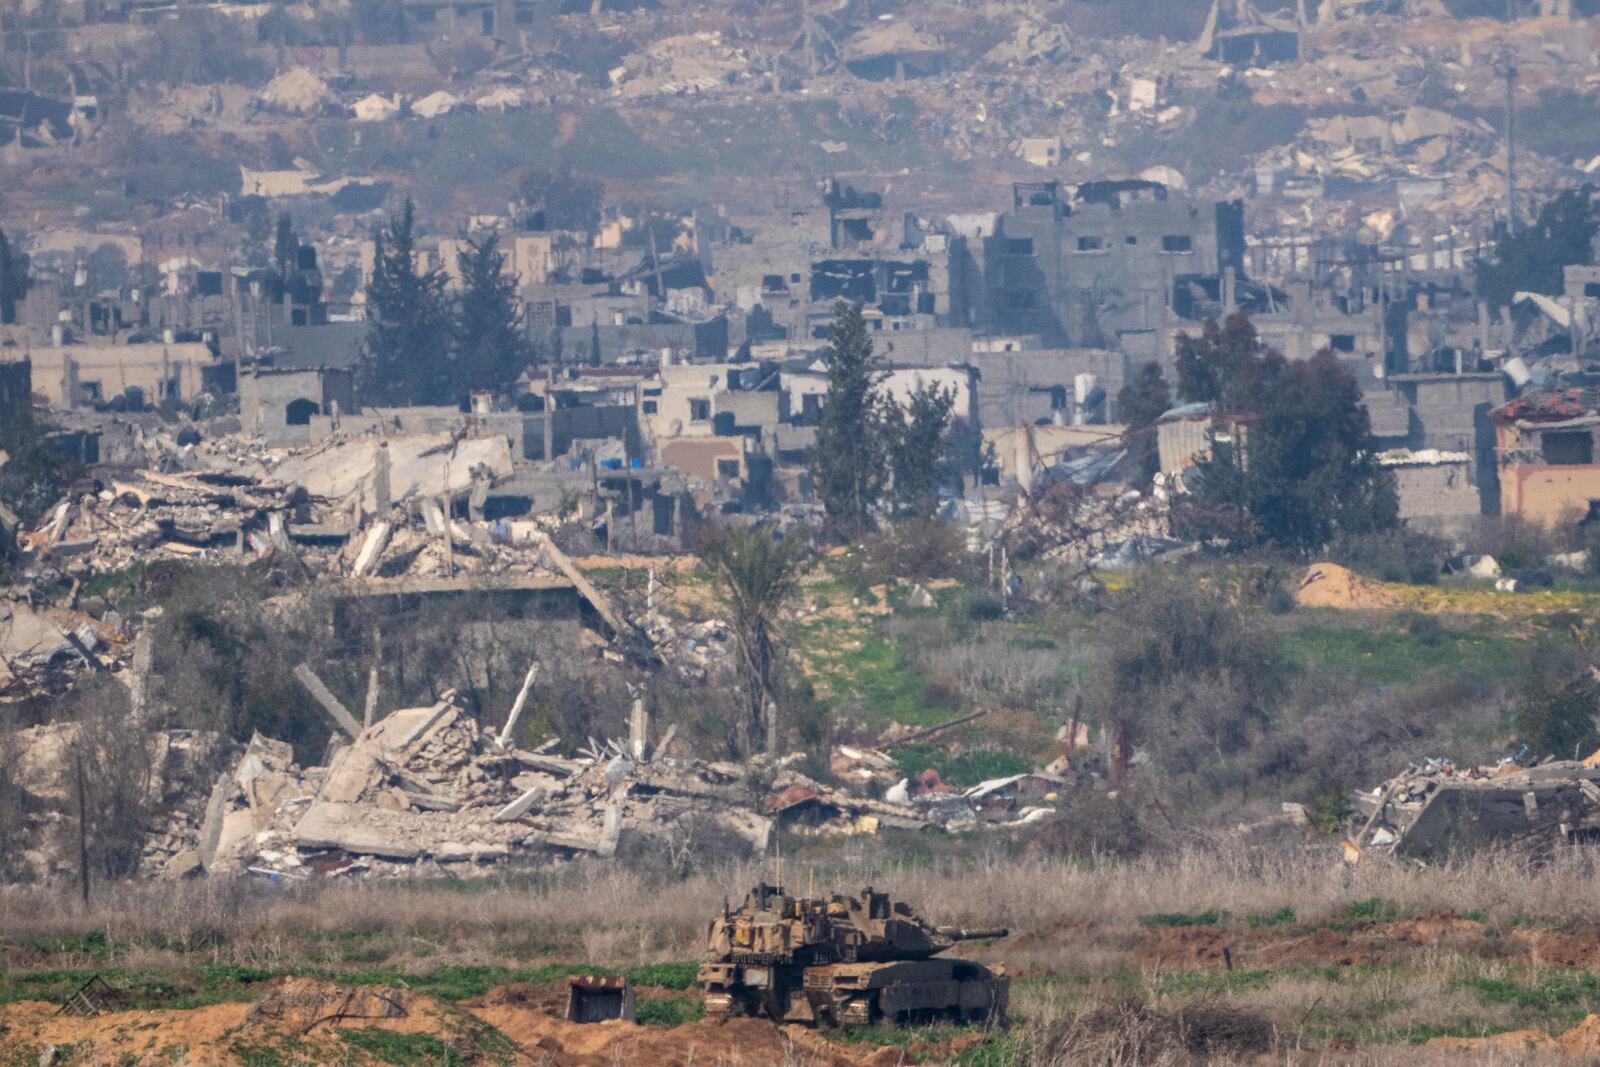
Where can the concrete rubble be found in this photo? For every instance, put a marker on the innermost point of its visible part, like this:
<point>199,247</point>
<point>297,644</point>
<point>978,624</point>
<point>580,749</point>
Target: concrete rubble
<point>428,785</point>
<point>371,514</point>
<point>1435,808</point>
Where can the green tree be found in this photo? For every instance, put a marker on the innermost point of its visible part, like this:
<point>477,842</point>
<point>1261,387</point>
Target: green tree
<point>1531,260</point>
<point>917,436</point>
<point>1144,398</point>
<point>756,574</point>
<point>407,354</point>
<point>594,343</point>
<point>13,279</point>
<point>33,476</point>
<point>850,466</point>
<point>1562,723</point>
<point>491,348</point>
<point>1305,469</point>
<point>1226,365</point>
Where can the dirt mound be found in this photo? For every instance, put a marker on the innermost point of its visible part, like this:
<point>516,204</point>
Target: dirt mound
<point>123,1036</point>
<point>1583,1040</point>
<point>1328,585</point>
<point>300,1005</point>
<point>554,1040</point>
<point>527,1016</point>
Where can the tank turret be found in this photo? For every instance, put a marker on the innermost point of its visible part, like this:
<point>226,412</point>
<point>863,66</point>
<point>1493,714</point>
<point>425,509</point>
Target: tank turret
<point>844,960</point>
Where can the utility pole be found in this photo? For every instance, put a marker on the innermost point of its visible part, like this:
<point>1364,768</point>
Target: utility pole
<point>1507,68</point>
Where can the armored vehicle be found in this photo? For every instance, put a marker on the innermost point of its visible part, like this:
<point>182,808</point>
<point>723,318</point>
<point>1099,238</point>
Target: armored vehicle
<point>845,961</point>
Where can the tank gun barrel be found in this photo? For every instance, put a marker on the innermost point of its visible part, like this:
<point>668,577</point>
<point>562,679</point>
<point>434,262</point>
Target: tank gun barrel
<point>957,933</point>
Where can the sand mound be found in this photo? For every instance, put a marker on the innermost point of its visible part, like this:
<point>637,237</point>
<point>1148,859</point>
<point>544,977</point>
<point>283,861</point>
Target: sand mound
<point>318,1016</point>
<point>1328,585</point>
<point>524,1016</point>
<point>1583,1040</point>
<point>122,1035</point>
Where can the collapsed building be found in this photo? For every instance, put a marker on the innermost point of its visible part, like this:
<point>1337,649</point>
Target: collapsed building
<point>422,788</point>
<point>1434,809</point>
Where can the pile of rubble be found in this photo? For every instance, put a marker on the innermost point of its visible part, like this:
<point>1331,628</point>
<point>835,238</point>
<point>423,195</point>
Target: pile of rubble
<point>43,648</point>
<point>1434,808</point>
<point>1011,801</point>
<point>426,786</point>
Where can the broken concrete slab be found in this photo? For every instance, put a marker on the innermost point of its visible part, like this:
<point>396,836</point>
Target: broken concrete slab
<point>364,829</point>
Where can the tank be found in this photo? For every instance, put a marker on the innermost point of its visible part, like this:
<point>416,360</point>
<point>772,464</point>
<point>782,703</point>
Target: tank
<point>845,961</point>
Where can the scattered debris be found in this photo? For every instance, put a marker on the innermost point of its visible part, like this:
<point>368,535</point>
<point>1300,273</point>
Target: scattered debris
<point>90,999</point>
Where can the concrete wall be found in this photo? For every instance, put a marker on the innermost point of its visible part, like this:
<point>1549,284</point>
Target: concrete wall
<point>679,393</point>
<point>73,376</point>
<point>1549,494</point>
<point>1436,494</point>
<point>581,423</point>
<point>759,409</point>
<point>1015,388</point>
<point>698,457</point>
<point>1533,486</point>
<point>1016,448</point>
<point>423,420</point>
<point>280,405</point>
<point>530,257</point>
<point>1452,412</point>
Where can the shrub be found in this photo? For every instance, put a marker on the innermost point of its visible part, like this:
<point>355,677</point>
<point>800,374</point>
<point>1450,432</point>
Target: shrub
<point>983,607</point>
<point>1092,822</point>
<point>1212,917</point>
<point>1425,629</point>
<point>913,551</point>
<point>1514,542</point>
<point>1561,723</point>
<point>1399,555</point>
<point>1130,1031</point>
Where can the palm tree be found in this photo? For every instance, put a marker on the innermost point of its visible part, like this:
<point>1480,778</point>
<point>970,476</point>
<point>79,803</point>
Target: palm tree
<point>757,573</point>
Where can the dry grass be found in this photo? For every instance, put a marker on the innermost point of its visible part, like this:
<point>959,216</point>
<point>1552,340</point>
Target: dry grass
<point>1084,995</point>
<point>605,914</point>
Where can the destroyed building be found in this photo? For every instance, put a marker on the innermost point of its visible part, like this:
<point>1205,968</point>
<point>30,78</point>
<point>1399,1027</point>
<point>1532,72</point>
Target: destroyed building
<point>1434,809</point>
<point>1080,267</point>
<point>1546,446</point>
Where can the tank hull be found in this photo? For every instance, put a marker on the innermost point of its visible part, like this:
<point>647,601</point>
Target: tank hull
<point>897,993</point>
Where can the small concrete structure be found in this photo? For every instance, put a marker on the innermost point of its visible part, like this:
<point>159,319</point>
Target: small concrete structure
<point>1435,488</point>
<point>280,405</point>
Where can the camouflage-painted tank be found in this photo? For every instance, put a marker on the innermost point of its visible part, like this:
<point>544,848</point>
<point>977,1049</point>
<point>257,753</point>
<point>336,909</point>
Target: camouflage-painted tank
<point>845,961</point>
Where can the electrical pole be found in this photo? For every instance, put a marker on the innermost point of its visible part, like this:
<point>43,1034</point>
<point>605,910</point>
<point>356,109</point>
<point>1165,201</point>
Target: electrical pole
<point>1506,67</point>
